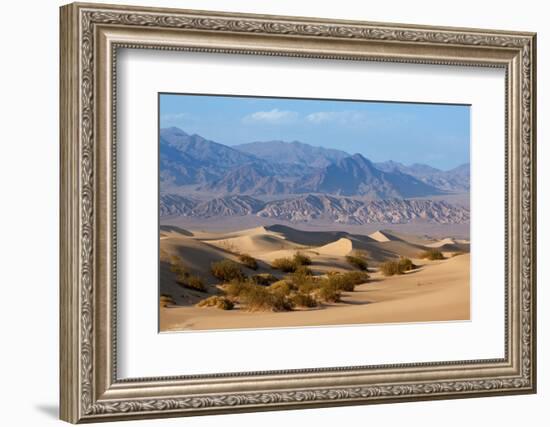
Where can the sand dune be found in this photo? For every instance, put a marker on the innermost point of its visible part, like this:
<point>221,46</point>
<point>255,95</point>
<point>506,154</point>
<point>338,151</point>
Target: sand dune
<point>387,242</point>
<point>438,290</point>
<point>450,245</point>
<point>341,247</point>
<point>442,242</point>
<point>306,238</point>
<point>255,243</point>
<point>174,229</point>
<point>207,235</point>
<point>196,255</point>
<point>381,237</point>
<point>383,251</point>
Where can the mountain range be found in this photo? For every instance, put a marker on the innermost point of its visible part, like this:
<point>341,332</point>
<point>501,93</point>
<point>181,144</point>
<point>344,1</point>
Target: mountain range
<point>312,207</point>
<point>277,168</point>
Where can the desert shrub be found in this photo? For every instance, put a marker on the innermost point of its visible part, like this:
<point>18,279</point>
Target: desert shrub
<point>328,292</point>
<point>184,277</point>
<point>258,298</point>
<point>301,275</point>
<point>356,277</point>
<point>340,283</point>
<point>237,287</point>
<point>263,279</point>
<point>193,282</point>
<point>301,259</point>
<point>357,261</point>
<point>304,280</point>
<point>178,268</point>
<point>290,265</point>
<point>390,268</point>
<point>166,300</point>
<point>332,273</point>
<point>283,287</point>
<point>309,286</point>
<point>286,265</point>
<point>347,281</point>
<point>216,301</point>
<point>248,261</point>
<point>302,270</point>
<point>226,270</point>
<point>303,300</point>
<point>405,264</point>
<point>432,254</point>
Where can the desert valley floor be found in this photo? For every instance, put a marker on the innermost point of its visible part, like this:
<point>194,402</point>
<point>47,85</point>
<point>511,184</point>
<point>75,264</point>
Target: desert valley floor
<point>436,290</point>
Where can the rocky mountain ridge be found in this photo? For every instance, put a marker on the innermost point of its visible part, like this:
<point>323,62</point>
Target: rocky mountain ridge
<point>311,207</point>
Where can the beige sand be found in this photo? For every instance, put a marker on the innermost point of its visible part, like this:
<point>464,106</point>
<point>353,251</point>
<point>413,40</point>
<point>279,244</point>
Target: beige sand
<point>380,236</point>
<point>256,243</point>
<point>341,247</point>
<point>438,290</point>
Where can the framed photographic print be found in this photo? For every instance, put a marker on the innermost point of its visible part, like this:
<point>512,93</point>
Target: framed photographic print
<point>266,212</point>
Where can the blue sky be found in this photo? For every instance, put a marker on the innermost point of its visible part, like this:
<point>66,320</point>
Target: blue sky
<point>433,134</point>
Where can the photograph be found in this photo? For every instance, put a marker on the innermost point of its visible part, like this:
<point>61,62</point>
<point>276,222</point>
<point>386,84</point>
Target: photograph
<point>288,208</point>
<point>289,212</point>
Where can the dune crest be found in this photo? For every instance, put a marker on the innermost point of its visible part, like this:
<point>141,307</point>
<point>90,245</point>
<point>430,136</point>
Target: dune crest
<point>381,236</point>
<point>254,243</point>
<point>442,242</point>
<point>341,247</point>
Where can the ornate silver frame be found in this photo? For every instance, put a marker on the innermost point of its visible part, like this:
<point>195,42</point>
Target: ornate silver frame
<point>90,36</point>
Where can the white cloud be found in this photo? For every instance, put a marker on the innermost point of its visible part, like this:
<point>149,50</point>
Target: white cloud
<point>342,117</point>
<point>273,116</point>
<point>175,119</point>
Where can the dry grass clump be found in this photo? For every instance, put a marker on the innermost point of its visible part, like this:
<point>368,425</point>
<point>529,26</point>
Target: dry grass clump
<point>301,289</point>
<point>329,292</point>
<point>286,265</point>
<point>340,283</point>
<point>283,287</point>
<point>303,300</point>
<point>263,279</point>
<point>304,280</point>
<point>194,282</point>
<point>166,300</point>
<point>390,268</point>
<point>290,265</point>
<point>248,261</point>
<point>345,282</point>
<point>309,286</point>
<point>184,277</point>
<point>301,259</point>
<point>300,275</point>
<point>302,270</point>
<point>216,301</point>
<point>358,261</point>
<point>328,289</point>
<point>405,264</point>
<point>356,277</point>
<point>431,254</point>
<point>236,288</point>
<point>255,297</point>
<point>258,298</point>
<point>348,281</point>
<point>178,268</point>
<point>226,270</point>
